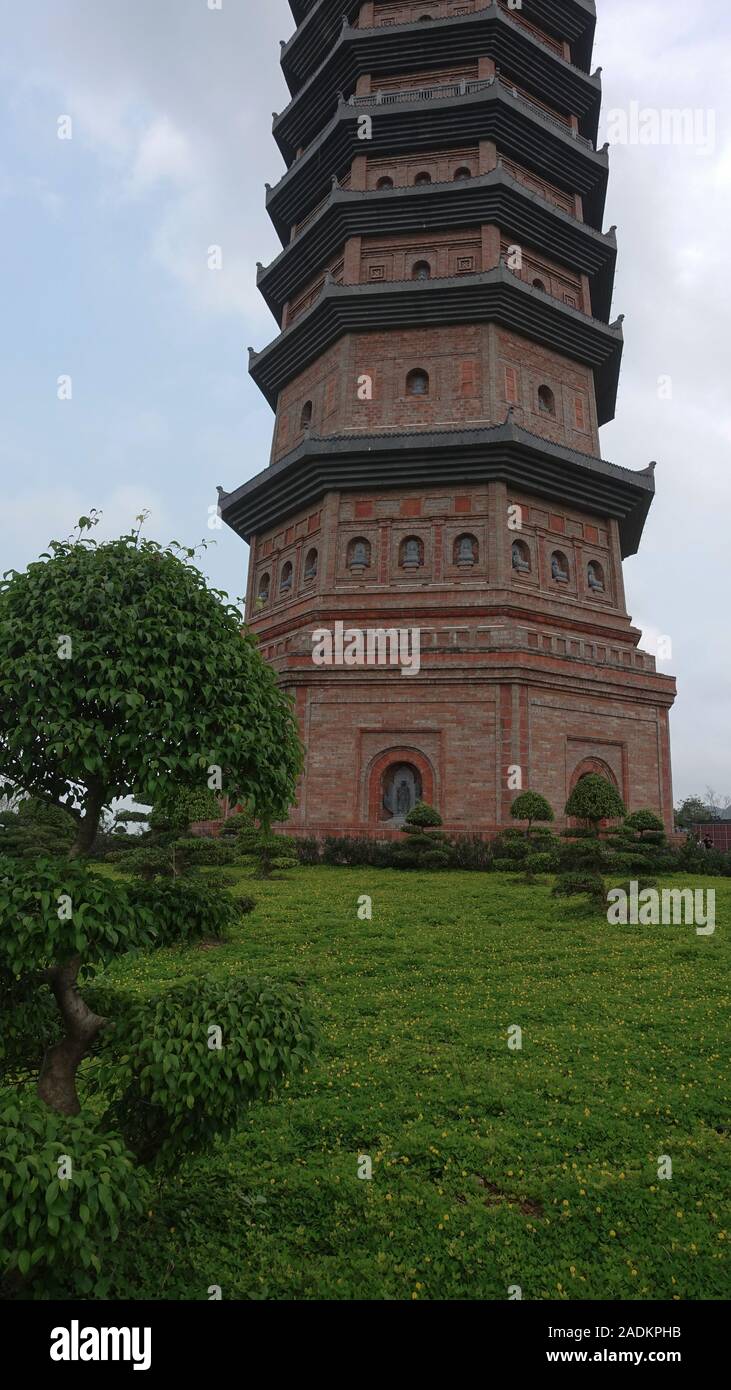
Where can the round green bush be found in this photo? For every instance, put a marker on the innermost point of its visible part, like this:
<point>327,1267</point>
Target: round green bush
<point>435,859</point>
<point>531,806</point>
<point>171,1087</point>
<point>629,863</point>
<point>543,862</point>
<point>186,909</point>
<point>569,885</point>
<point>64,1227</point>
<point>512,845</point>
<point>51,910</point>
<point>642,821</point>
<point>423,816</point>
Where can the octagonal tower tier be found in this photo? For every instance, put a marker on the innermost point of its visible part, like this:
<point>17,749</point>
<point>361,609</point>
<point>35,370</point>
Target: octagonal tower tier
<point>444,361</point>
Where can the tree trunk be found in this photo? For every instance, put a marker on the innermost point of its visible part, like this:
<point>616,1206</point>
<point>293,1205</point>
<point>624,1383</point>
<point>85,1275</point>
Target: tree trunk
<point>88,826</point>
<point>57,1080</point>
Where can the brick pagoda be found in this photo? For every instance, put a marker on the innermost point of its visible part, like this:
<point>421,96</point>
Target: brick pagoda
<point>444,362</point>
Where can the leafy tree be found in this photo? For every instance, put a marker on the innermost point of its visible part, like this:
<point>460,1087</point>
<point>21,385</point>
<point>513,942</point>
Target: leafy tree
<point>123,674</point>
<point>697,810</point>
<point>532,807</point>
<point>176,808</point>
<point>645,822</point>
<point>594,799</point>
<point>155,1083</point>
<point>694,811</point>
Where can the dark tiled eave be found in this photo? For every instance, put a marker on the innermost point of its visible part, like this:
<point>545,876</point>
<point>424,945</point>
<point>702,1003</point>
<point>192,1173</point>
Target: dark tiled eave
<point>491,113</point>
<point>505,452</point>
<point>415,47</point>
<point>319,22</point>
<point>492,296</point>
<point>495,196</point>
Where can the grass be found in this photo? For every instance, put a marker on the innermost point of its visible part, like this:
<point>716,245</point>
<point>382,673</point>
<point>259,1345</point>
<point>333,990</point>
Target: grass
<point>490,1167</point>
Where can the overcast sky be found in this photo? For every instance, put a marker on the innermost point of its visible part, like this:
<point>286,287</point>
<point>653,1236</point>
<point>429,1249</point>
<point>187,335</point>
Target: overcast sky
<point>106,279</point>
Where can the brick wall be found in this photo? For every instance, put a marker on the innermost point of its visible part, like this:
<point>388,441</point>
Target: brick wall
<point>475,372</point>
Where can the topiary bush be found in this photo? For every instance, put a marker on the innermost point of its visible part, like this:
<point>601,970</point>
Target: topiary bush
<point>512,846</point>
<point>595,799</point>
<point>629,863</point>
<point>530,807</point>
<point>60,1228</point>
<point>583,854</point>
<point>264,851</point>
<point>185,910</point>
<point>171,1087</point>
<point>422,816</point>
<point>427,847</point>
<point>182,855</point>
<point>36,830</point>
<point>578,883</point>
<point>543,862</point>
<point>643,822</point>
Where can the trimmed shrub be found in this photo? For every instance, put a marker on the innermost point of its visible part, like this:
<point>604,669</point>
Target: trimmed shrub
<point>643,822</point>
<point>570,885</point>
<point>428,847</point>
<point>51,910</point>
<point>265,851</point>
<point>582,854</point>
<point>61,1229</point>
<point>629,863</point>
<point>180,856</point>
<point>543,862</point>
<point>422,816</point>
<point>171,1089</point>
<point>530,807</point>
<point>185,910</point>
<point>435,859</point>
<point>36,830</point>
<point>513,846</point>
<point>594,799</point>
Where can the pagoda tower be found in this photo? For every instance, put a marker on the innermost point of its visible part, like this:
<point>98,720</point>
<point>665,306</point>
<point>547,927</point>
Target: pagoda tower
<point>444,360</point>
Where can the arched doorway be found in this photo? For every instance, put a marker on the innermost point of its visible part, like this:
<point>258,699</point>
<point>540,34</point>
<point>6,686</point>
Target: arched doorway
<point>402,788</point>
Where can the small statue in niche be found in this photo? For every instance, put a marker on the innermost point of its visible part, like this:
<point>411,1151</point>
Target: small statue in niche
<point>520,561</point>
<point>466,557</point>
<point>360,558</point>
<point>412,555</point>
<point>595,580</point>
<point>557,571</point>
<point>403,798</point>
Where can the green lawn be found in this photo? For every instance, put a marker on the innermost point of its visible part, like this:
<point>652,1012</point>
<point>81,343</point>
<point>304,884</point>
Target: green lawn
<point>491,1167</point>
